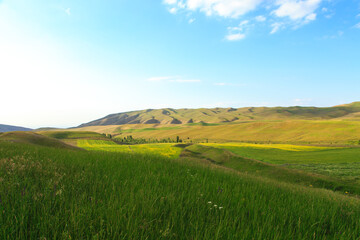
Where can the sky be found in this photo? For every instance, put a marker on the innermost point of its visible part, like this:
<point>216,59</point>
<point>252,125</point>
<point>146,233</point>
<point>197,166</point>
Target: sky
<point>65,62</point>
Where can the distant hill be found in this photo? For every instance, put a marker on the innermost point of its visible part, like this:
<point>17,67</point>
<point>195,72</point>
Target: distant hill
<point>228,115</point>
<point>8,128</point>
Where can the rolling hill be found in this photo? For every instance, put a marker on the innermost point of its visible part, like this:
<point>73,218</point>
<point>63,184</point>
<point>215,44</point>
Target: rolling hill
<point>228,115</point>
<point>8,128</point>
<point>34,139</point>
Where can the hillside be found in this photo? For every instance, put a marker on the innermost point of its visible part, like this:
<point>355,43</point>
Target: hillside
<point>34,139</point>
<point>8,128</point>
<point>228,115</point>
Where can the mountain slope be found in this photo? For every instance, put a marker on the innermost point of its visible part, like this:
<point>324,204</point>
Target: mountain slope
<point>226,115</point>
<point>8,128</point>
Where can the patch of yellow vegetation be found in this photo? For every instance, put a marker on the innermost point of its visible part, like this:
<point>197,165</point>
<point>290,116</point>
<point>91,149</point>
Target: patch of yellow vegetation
<point>163,149</point>
<point>285,147</point>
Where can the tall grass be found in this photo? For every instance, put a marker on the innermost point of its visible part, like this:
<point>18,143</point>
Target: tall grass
<point>49,193</point>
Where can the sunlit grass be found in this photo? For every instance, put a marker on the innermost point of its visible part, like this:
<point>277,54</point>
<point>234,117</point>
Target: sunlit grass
<point>162,149</point>
<point>339,162</point>
<point>48,193</point>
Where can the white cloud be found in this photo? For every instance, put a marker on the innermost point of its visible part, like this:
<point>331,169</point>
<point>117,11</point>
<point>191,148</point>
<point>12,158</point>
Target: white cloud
<point>170,1</point>
<point>224,8</point>
<point>294,13</point>
<point>191,20</point>
<point>296,9</point>
<point>276,27</point>
<point>245,22</point>
<point>68,11</point>
<point>173,10</point>
<point>235,36</point>
<point>311,17</point>
<point>357,25</point>
<point>260,18</point>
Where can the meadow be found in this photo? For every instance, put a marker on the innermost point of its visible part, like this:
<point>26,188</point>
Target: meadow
<point>107,192</point>
<point>343,162</point>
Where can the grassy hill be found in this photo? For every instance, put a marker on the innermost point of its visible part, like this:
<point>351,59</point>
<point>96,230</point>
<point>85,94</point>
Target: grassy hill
<point>8,128</point>
<point>227,115</point>
<point>34,139</point>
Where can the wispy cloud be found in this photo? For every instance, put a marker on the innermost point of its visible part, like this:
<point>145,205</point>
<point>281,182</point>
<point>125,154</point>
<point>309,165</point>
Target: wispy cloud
<point>296,10</point>
<point>357,25</point>
<point>235,37</point>
<point>291,13</point>
<point>237,33</point>
<point>68,11</point>
<point>260,18</point>
<point>177,79</point>
<point>191,20</point>
<point>275,27</point>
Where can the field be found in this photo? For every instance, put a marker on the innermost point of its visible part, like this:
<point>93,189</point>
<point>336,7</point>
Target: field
<point>172,191</point>
<point>333,161</point>
<point>332,132</point>
<point>164,149</point>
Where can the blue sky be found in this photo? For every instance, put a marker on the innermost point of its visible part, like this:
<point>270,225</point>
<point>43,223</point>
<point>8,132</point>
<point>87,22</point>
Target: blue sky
<point>66,62</point>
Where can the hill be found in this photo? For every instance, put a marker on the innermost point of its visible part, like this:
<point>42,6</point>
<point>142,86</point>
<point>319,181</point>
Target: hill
<point>227,115</point>
<point>9,128</point>
<point>34,139</point>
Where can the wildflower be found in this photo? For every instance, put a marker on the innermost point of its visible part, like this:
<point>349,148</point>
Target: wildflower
<point>310,185</point>
<point>215,206</point>
<point>346,192</point>
<point>221,207</point>
<point>209,202</point>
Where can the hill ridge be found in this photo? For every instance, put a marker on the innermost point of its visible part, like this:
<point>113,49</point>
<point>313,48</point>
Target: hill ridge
<point>10,128</point>
<point>172,116</point>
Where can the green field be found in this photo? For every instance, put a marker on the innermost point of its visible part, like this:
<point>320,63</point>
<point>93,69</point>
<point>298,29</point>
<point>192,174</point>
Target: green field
<point>329,132</point>
<point>341,162</point>
<point>172,191</point>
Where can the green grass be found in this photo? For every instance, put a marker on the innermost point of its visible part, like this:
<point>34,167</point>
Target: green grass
<point>34,139</point>
<point>156,149</point>
<point>49,193</point>
<point>339,162</point>
<point>71,134</point>
<point>223,157</point>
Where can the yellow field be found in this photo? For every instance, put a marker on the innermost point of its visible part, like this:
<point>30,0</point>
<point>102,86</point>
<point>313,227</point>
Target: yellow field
<point>163,149</point>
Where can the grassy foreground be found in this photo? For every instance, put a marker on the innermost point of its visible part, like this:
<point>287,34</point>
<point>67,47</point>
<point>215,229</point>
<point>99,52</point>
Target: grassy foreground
<point>50,193</point>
